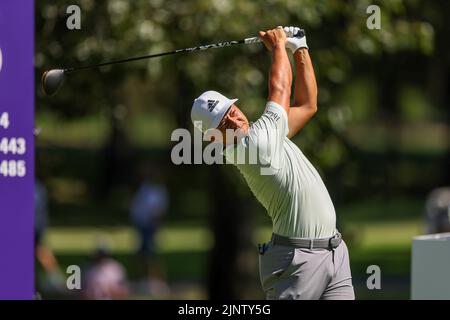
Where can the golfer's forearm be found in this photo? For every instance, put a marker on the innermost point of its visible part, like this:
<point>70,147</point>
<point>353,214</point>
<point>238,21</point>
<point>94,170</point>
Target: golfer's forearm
<point>280,80</point>
<point>305,92</point>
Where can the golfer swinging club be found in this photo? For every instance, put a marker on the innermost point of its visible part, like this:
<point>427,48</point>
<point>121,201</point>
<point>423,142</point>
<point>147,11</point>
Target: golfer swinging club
<point>306,257</point>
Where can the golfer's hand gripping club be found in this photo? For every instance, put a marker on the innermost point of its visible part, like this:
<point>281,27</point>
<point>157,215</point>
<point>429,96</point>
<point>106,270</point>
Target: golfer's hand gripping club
<point>273,38</point>
<point>296,38</point>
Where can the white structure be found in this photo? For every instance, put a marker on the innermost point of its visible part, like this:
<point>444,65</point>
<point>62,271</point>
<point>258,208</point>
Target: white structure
<point>430,267</point>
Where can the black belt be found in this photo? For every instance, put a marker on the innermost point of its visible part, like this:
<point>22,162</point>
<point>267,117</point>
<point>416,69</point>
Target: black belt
<point>324,243</point>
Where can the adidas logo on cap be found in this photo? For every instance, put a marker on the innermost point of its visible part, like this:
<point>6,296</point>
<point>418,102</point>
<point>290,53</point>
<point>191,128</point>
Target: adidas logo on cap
<point>212,104</point>
<point>209,108</point>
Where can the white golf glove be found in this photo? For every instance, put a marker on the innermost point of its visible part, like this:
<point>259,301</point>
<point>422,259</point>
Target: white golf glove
<point>296,38</point>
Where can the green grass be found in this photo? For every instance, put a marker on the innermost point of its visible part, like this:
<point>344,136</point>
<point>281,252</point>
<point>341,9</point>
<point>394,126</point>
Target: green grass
<point>377,209</point>
<point>154,130</point>
<point>123,239</point>
<point>143,130</point>
<point>364,236</point>
<point>183,251</point>
<point>89,132</point>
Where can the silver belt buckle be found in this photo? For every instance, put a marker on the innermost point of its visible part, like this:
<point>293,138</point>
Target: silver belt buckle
<point>336,239</point>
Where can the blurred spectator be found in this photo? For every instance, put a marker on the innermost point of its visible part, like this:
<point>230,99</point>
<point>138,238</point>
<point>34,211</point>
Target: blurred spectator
<point>105,278</point>
<point>52,281</point>
<point>438,210</point>
<point>147,209</point>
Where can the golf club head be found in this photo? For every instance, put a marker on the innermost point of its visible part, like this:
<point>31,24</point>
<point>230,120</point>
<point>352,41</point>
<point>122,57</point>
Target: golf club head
<point>51,81</point>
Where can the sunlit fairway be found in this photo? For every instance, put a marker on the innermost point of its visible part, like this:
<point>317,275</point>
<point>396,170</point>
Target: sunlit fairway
<point>369,235</point>
<point>184,249</point>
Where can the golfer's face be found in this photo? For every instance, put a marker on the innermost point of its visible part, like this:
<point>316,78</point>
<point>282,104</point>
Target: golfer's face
<point>234,119</point>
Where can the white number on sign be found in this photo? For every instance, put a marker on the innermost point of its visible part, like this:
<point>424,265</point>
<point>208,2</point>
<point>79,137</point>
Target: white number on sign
<point>4,120</point>
<point>21,146</point>
<point>21,170</point>
<point>13,168</point>
<point>13,145</point>
<point>4,145</point>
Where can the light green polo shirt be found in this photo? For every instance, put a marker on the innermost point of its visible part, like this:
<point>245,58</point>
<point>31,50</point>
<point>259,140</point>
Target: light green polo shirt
<point>283,179</point>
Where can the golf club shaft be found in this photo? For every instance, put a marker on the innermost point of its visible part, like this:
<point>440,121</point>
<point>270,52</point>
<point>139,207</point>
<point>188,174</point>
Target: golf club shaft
<point>199,48</point>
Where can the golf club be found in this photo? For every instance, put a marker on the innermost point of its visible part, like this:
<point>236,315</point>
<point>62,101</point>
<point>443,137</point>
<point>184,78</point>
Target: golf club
<point>53,79</point>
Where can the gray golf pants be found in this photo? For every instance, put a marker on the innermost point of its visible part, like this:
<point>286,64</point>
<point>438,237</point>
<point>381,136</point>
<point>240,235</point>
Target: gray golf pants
<point>302,274</point>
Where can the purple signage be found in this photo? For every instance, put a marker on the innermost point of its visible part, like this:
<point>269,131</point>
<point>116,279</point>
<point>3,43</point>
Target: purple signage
<point>16,149</point>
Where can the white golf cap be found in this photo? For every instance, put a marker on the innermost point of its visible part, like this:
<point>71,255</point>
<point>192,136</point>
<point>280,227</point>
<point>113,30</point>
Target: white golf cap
<point>209,108</point>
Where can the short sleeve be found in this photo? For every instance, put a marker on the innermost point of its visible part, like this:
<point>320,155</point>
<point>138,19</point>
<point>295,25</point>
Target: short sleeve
<point>277,117</point>
<point>269,132</point>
